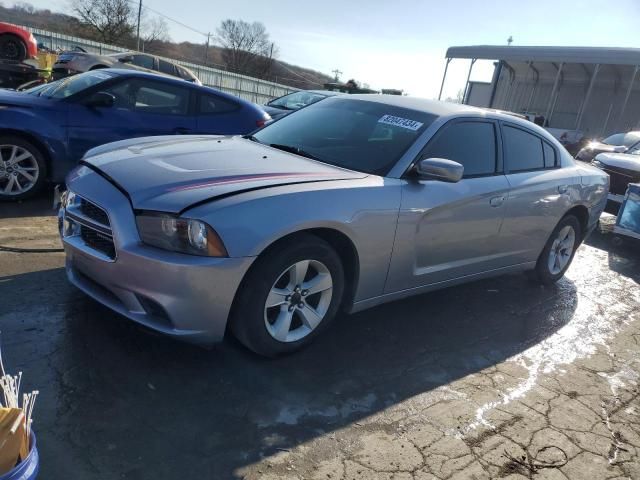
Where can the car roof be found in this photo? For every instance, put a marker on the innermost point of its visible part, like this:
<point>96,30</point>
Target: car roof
<point>434,107</point>
<point>175,80</point>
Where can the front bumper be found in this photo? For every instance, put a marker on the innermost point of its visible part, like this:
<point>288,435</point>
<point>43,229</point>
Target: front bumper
<point>184,296</point>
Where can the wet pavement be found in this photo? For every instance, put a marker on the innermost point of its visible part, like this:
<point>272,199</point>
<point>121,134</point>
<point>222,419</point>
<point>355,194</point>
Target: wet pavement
<point>495,379</point>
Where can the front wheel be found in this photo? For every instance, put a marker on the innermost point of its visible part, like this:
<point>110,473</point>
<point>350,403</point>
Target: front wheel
<point>559,251</point>
<point>289,296</point>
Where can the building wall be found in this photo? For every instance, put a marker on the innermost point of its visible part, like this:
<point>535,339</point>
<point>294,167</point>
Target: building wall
<point>603,113</point>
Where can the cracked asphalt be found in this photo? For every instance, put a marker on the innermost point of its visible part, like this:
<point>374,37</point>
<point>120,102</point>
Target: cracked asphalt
<point>495,379</point>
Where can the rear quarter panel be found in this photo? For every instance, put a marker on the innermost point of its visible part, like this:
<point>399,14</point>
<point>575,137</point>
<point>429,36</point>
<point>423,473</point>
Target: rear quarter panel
<point>366,211</point>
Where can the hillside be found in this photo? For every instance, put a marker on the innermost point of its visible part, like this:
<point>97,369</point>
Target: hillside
<point>281,72</point>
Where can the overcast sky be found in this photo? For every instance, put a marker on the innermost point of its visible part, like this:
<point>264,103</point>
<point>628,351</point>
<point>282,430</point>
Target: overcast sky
<point>400,43</point>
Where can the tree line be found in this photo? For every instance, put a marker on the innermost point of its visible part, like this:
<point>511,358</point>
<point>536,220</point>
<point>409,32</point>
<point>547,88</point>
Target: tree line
<point>235,45</point>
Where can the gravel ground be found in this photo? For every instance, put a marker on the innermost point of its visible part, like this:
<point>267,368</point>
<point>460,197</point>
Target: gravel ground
<point>494,379</point>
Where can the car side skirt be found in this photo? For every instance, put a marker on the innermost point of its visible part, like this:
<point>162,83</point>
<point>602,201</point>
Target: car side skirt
<point>409,292</point>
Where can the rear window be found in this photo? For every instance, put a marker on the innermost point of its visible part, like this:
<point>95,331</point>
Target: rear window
<point>365,136</point>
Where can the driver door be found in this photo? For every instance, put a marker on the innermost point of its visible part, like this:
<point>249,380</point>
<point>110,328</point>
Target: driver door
<point>451,230</point>
<point>142,108</point>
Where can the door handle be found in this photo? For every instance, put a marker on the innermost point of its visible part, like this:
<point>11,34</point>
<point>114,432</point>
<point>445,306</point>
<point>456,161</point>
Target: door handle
<point>563,188</point>
<point>496,201</point>
<point>181,130</point>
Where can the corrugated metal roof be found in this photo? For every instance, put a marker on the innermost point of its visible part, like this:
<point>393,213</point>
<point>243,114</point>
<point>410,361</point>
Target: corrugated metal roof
<point>591,55</point>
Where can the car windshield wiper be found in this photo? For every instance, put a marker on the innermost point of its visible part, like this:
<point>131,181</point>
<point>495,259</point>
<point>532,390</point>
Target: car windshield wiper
<point>293,149</point>
<point>252,138</point>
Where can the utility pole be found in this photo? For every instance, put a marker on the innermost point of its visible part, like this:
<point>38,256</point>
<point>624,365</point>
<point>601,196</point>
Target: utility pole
<point>206,48</point>
<point>138,32</point>
<point>337,74</point>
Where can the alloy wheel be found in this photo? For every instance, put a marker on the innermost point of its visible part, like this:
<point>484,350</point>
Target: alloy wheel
<point>19,170</point>
<point>298,301</point>
<point>561,250</point>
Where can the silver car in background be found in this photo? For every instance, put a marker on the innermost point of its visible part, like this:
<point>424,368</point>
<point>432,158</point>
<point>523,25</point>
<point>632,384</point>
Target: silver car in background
<point>348,203</point>
<point>74,62</point>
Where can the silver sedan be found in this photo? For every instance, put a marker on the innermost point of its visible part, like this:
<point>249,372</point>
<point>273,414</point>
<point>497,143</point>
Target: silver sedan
<point>346,204</point>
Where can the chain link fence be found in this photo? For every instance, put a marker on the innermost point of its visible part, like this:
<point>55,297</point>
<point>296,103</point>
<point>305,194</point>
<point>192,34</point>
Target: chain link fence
<point>249,88</point>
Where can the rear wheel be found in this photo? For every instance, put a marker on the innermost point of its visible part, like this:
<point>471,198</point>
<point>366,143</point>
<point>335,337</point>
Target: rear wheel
<point>289,296</point>
<point>559,250</point>
<point>23,169</point>
<point>12,48</point>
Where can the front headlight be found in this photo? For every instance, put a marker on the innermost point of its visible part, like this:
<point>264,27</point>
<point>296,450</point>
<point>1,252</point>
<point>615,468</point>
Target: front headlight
<point>183,235</point>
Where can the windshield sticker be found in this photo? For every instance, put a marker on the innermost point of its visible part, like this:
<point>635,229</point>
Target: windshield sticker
<point>400,122</point>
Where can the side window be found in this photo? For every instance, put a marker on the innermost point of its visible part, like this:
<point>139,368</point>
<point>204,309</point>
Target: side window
<point>472,144</point>
<point>150,97</point>
<point>211,104</point>
<point>144,61</point>
<point>523,150</point>
<point>550,157</point>
<point>166,67</point>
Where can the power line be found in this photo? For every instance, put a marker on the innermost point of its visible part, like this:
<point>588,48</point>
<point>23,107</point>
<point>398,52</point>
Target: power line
<point>135,2</point>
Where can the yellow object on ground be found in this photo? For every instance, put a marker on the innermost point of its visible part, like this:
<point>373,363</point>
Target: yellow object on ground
<point>14,444</point>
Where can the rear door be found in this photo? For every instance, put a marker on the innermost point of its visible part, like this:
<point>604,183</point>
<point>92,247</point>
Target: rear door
<point>143,107</point>
<point>539,192</point>
<point>451,230</point>
<point>221,116</point>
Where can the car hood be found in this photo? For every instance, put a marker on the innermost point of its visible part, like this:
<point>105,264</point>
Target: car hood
<point>11,98</point>
<point>620,160</point>
<point>171,174</point>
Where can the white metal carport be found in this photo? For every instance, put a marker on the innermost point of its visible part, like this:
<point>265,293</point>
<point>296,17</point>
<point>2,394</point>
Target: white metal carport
<point>591,89</point>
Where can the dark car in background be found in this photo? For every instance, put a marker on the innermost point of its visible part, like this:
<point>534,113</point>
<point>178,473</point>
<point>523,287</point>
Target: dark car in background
<point>616,143</point>
<point>46,130</point>
<point>73,62</point>
<point>623,169</point>
<point>291,102</point>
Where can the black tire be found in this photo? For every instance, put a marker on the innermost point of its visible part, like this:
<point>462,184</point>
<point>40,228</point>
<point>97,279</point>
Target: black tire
<point>41,165</point>
<point>542,272</point>
<point>248,323</point>
<point>12,48</point>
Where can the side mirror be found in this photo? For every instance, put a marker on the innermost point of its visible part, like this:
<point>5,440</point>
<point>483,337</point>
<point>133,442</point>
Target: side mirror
<point>619,149</point>
<point>439,169</point>
<point>101,99</point>
<point>126,59</point>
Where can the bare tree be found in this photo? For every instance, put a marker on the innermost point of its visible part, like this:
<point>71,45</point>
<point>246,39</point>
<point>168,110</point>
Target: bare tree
<point>112,20</point>
<point>154,30</point>
<point>246,47</point>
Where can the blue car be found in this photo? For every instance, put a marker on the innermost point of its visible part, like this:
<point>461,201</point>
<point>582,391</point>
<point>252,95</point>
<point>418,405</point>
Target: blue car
<point>45,131</point>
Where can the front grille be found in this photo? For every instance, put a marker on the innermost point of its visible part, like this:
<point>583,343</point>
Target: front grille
<point>98,241</point>
<point>89,225</point>
<point>94,212</point>
<point>618,182</point>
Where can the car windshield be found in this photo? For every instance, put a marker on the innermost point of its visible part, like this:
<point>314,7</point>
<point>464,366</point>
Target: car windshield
<point>626,139</point>
<point>71,85</point>
<point>297,100</point>
<point>360,135</point>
